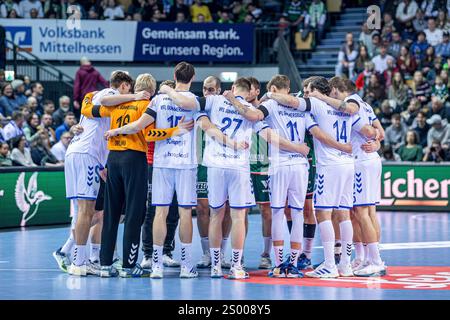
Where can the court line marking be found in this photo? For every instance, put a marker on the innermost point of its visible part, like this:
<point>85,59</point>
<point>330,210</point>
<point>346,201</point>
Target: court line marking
<point>411,245</point>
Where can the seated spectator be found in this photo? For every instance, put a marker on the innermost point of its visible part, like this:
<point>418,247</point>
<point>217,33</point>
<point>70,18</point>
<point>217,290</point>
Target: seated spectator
<point>396,45</point>
<point>421,89</point>
<point>150,7</point>
<point>375,91</point>
<point>388,24</point>
<point>31,128</point>
<point>95,12</point>
<point>433,34</point>
<point>224,17</point>
<point>34,13</point>
<point>14,128</point>
<point>47,123</point>
<point>365,38</point>
<point>113,10</point>
<point>60,148</point>
<point>363,57</point>
<point>440,131</point>
<point>249,18</point>
<point>437,107</point>
<point>388,74</point>
<point>347,56</point>
<point>411,151</point>
<point>406,63</point>
<point>49,107</point>
<point>7,6</point>
<point>199,8</point>
<point>25,7</point>
<point>179,7</point>
<point>399,92</point>
<point>40,152</point>
<point>8,102</point>
<point>181,18</point>
<point>411,113</point>
<point>37,91</point>
<point>317,14</point>
<point>5,155</point>
<point>13,14</point>
<point>19,92</point>
<point>419,48</point>
<point>421,126</point>
<point>430,8</point>
<point>254,10</point>
<point>32,104</point>
<point>427,63</point>
<point>434,153</point>
<point>376,45</point>
<point>157,16</point>
<point>380,60</point>
<point>419,23</point>
<point>238,10</point>
<point>60,113</point>
<point>21,155</point>
<point>69,121</point>
<point>57,7</point>
<point>395,133</point>
<point>25,110</point>
<point>442,21</point>
<point>408,33</point>
<point>444,76</point>
<point>363,79</point>
<point>406,11</point>
<point>443,48</point>
<point>389,155</point>
<point>439,90</point>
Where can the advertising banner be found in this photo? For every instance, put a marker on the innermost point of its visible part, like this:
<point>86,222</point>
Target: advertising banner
<point>194,42</point>
<point>33,198</point>
<point>51,39</point>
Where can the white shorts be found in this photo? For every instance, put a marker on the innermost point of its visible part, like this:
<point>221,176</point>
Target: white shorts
<point>367,185</point>
<point>82,173</point>
<point>333,187</point>
<point>229,184</point>
<point>166,181</point>
<point>288,182</point>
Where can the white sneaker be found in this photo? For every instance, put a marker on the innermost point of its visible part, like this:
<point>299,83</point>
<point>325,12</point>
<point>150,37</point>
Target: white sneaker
<point>117,263</point>
<point>62,260</point>
<point>216,272</point>
<point>238,272</point>
<point>80,271</point>
<point>146,263</point>
<point>188,272</point>
<point>170,262</point>
<point>93,267</point>
<point>205,261</point>
<point>372,270</point>
<point>345,270</point>
<point>323,271</point>
<point>157,272</point>
<point>356,264</point>
<point>223,262</point>
<point>265,263</point>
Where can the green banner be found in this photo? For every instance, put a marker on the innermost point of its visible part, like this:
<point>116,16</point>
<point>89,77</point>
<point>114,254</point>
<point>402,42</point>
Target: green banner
<point>414,187</point>
<point>33,198</point>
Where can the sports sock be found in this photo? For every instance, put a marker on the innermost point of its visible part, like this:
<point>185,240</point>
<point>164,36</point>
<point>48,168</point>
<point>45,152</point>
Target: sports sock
<point>79,255</point>
<point>67,247</point>
<point>309,231</point>
<point>337,246</point>
<point>223,245</point>
<point>186,254</point>
<point>95,252</point>
<point>236,257</point>
<point>278,255</point>
<point>327,235</point>
<point>346,229</point>
<point>157,255</point>
<point>267,246</point>
<point>294,256</point>
<point>215,256</point>
<point>366,253</point>
<point>374,253</point>
<point>205,244</point>
<point>359,251</point>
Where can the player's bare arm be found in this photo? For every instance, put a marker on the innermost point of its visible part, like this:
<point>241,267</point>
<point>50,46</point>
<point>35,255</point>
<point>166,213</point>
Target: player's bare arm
<point>276,140</point>
<point>133,127</point>
<point>214,132</point>
<point>330,141</point>
<point>178,99</point>
<point>371,146</point>
<point>377,125</point>
<point>245,111</point>
<point>340,105</point>
<point>113,100</point>
<point>285,99</point>
<point>369,132</point>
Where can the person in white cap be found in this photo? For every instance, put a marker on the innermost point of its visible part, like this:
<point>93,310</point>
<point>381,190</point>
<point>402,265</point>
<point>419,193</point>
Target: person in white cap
<point>440,131</point>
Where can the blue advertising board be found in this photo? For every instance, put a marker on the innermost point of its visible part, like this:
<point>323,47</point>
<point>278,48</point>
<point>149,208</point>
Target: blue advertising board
<point>194,42</point>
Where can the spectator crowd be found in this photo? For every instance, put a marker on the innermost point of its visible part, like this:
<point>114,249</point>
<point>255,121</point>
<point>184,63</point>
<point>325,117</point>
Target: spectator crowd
<point>402,70</point>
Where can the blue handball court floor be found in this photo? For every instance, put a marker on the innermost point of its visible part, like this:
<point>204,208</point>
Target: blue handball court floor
<point>416,248</point>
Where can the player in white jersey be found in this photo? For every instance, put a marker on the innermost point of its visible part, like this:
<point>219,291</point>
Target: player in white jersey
<point>288,170</point>
<point>175,164</point>
<point>366,193</point>
<point>335,171</point>
<point>85,159</point>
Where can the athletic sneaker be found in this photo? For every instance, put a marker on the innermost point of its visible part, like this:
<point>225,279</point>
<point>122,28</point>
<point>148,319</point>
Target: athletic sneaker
<point>323,271</point>
<point>62,259</point>
<point>292,272</point>
<point>117,263</point>
<point>146,263</point>
<point>188,272</point>
<point>238,272</point>
<point>372,270</point>
<point>357,264</point>
<point>108,272</point>
<point>169,261</point>
<point>80,271</point>
<point>265,262</point>
<point>205,261</point>
<point>345,270</point>
<point>157,272</point>
<point>136,272</point>
<point>303,262</point>
<point>216,272</point>
<point>93,267</point>
<point>224,263</point>
<point>279,271</point>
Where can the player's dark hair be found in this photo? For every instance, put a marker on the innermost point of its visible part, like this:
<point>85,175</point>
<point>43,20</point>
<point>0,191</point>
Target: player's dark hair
<point>350,86</point>
<point>243,84</point>
<point>16,115</point>
<point>119,77</point>
<point>337,83</point>
<point>254,82</point>
<point>321,84</point>
<point>184,72</point>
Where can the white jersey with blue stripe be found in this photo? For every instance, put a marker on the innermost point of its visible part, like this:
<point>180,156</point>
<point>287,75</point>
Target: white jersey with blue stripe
<point>223,114</point>
<point>91,141</point>
<point>177,152</point>
<point>288,123</point>
<point>337,124</point>
<point>357,139</point>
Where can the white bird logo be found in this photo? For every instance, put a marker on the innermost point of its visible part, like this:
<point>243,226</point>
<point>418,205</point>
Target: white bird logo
<point>28,200</point>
